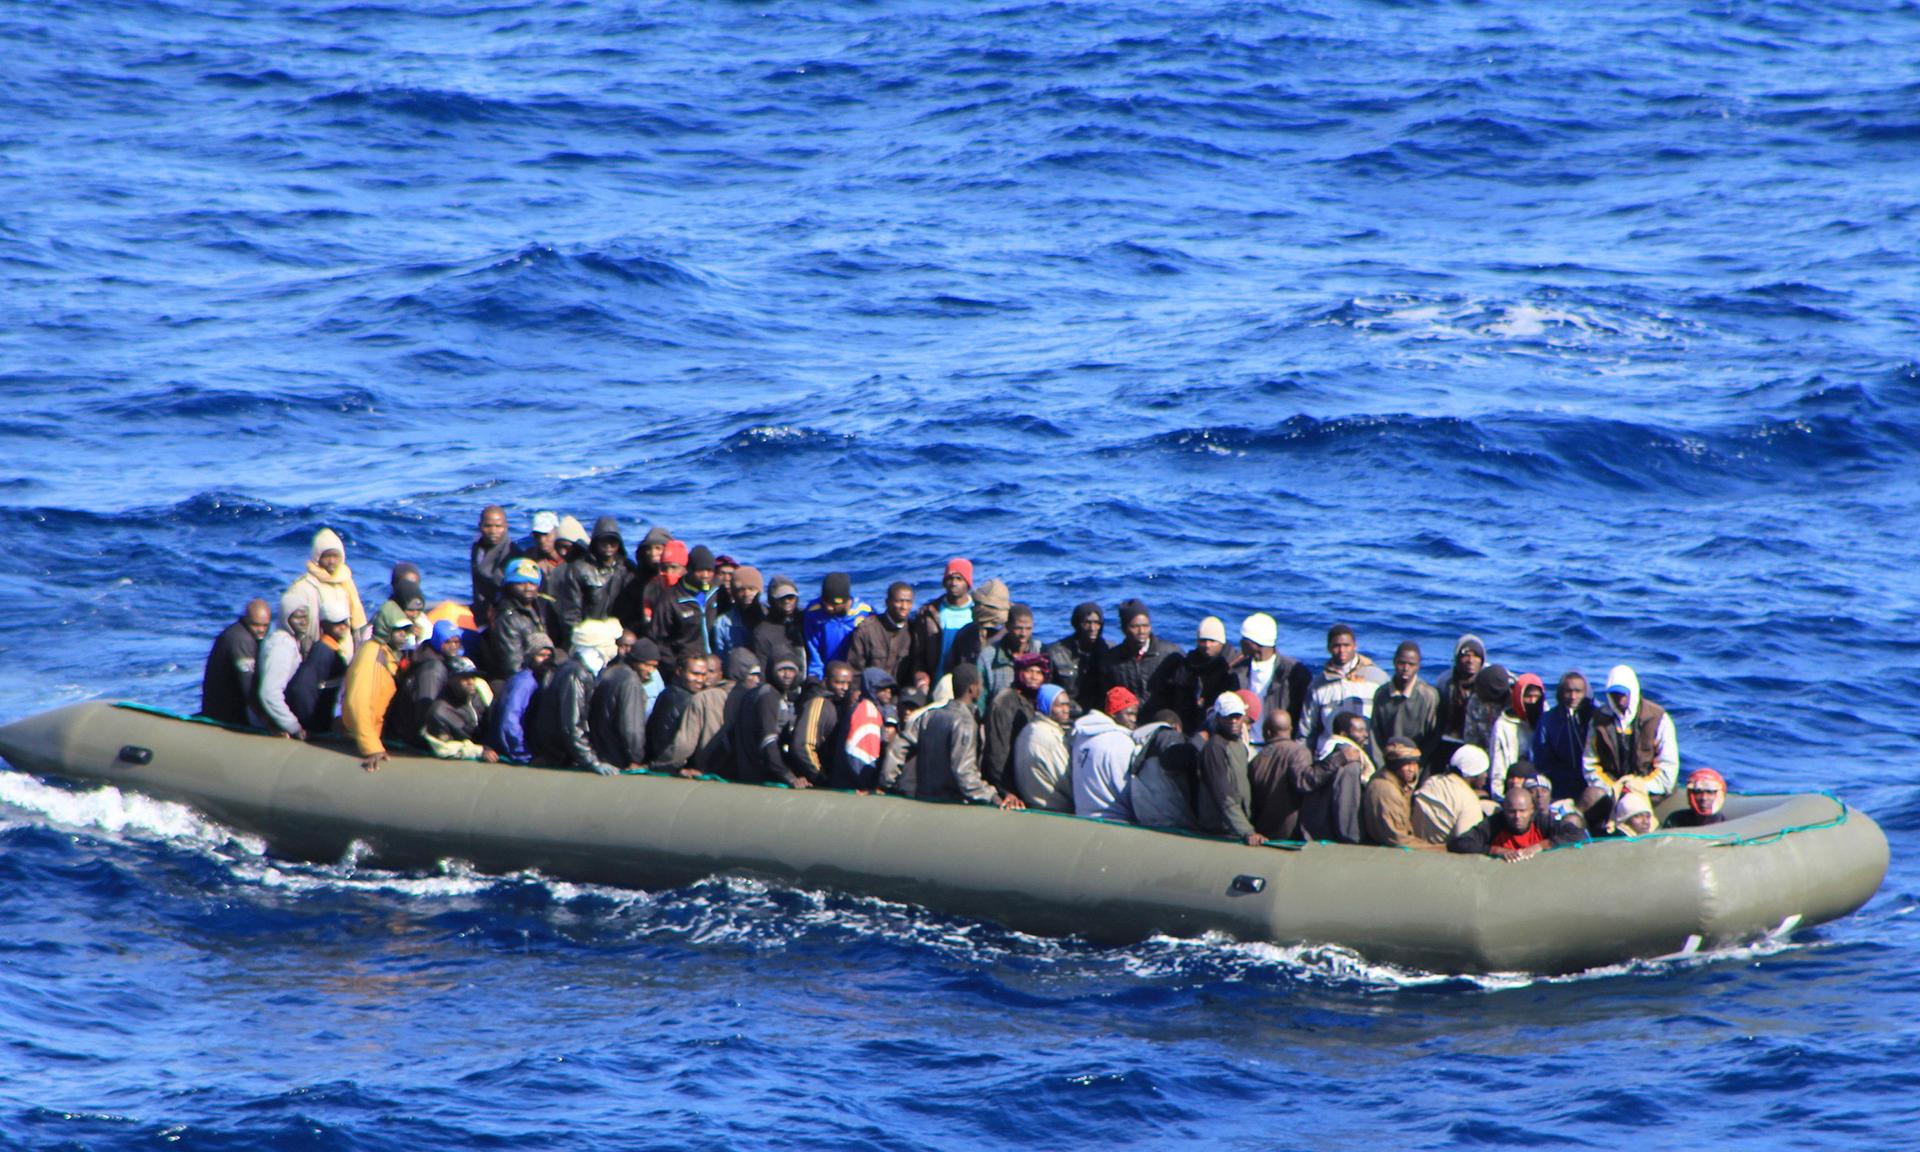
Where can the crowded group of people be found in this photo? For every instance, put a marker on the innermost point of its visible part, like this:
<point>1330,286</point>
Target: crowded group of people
<point>571,651</point>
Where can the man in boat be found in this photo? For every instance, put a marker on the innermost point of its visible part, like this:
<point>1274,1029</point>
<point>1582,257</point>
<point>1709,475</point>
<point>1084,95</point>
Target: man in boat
<point>564,711</point>
<point>686,719</point>
<point>1559,746</point>
<point>1515,831</point>
<point>1706,795</point>
<point>1040,757</point>
<point>617,723</point>
<point>766,720</point>
<point>279,660</point>
<point>1632,816</point>
<point>1632,748</point>
<point>452,728</point>
<point>487,561</point>
<point>1202,675</point>
<point>513,704</point>
<point>1164,782</point>
<point>861,736</point>
<point>884,640</point>
<point>227,685</point>
<point>426,676</point>
<point>1271,777</point>
<point>372,682</point>
<point>589,587</point>
<point>733,627</point>
<point>778,633</point>
<point>1011,710</point>
<point>940,623</point>
<point>541,545</point>
<point>828,624</point>
<point>1462,721</point>
<point>822,703</point>
<point>1450,801</point>
<point>1513,731</point>
<point>1076,656</point>
<point>1000,659</point>
<point>1387,812</point>
<point>992,612</point>
<point>649,556</point>
<point>1102,761</point>
<point>1143,663</point>
<point>898,761</point>
<point>313,694</point>
<point>1406,707</point>
<point>947,758</point>
<point>1224,798</point>
<point>518,615</point>
<point>1332,789</point>
<point>1280,681</point>
<point>1346,683</point>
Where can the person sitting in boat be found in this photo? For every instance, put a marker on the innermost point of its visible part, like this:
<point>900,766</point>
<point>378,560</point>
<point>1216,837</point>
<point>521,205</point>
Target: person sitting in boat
<point>564,710</point>
<point>1331,790</point>
<point>371,685</point>
<point>1011,710</point>
<point>1406,707</point>
<point>279,660</point>
<point>1450,801</point>
<point>1076,656</point>
<point>313,694</point>
<point>688,718</point>
<point>1559,745</point>
<point>883,639</point>
<point>1041,762</point>
<point>1224,798</point>
<point>520,613</point>
<point>329,582</point>
<point>1271,776</point>
<point>947,759</point>
<point>487,560</point>
<point>1462,721</point>
<point>404,609</point>
<point>1632,815</point>
<point>823,701</point>
<point>1142,663</point>
<point>1632,748</point>
<point>1102,758</point>
<point>1513,731</point>
<point>233,664</point>
<point>856,765</point>
<point>897,763</point>
<point>1347,683</point>
<point>1519,828</point>
<point>1280,681</point>
<point>1706,796</point>
<point>453,725</point>
<point>827,625</point>
<point>617,714</point>
<point>1387,810</point>
<point>425,676</point>
<point>1566,823</point>
<point>511,717</point>
<point>588,587</point>
<point>765,725</point>
<point>1166,774</point>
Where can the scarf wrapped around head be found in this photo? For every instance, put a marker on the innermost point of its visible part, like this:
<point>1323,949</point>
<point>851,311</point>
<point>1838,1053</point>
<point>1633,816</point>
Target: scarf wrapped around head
<point>324,541</point>
<point>991,602</point>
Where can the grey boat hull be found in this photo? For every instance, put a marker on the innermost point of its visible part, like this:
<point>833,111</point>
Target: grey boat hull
<point>1778,862</point>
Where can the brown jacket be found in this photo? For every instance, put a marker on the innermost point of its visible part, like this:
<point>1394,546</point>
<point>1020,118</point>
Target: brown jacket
<point>1387,814</point>
<point>876,643</point>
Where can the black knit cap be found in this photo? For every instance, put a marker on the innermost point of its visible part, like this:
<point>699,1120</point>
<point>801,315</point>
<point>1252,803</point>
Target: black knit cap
<point>837,586</point>
<point>700,558</point>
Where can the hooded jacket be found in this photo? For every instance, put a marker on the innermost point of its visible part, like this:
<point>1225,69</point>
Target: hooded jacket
<point>318,590</point>
<point>368,693</point>
<point>1101,768</point>
<point>759,757</point>
<point>1336,690</point>
<point>587,589</point>
<point>1512,734</point>
<point>1041,766</point>
<point>858,764</point>
<point>1164,784</point>
<point>1559,747</point>
<point>1641,745</point>
<point>827,636</point>
<point>279,661</point>
<point>227,685</point>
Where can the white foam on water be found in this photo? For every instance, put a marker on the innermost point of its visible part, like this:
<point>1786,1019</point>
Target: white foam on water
<point>124,815</point>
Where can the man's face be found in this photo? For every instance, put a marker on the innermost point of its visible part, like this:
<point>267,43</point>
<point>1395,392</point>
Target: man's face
<point>956,586</point>
<point>624,645</point>
<point>1532,695</point>
<point>840,681</point>
<point>1356,731</point>
<point>1087,629</point>
<point>701,577</point>
<point>493,526</point>
<point>787,603</point>
<point>544,541</point>
<point>605,549</point>
<point>1406,665</point>
<point>1341,647</point>
<point>1208,649</point>
<point>338,629</point>
<point>1641,823</point>
<point>745,592</point>
<point>673,572</point>
<point>259,620</point>
<point>784,677</point>
<point>837,606</point>
<point>646,669</point>
<point>1126,716</point>
<point>451,646</point>
<point>542,658</point>
<point>1467,663</point>
<point>653,553</point>
<point>1408,771</point>
<point>723,577</point>
<point>1572,691</point>
<point>1620,701</point>
<point>1031,677</point>
<point>524,593</point>
<point>1020,631</point>
<point>693,673</point>
<point>1519,808</point>
<point>1140,630</point>
<point>900,605</point>
<point>1062,710</point>
<point>297,619</point>
<point>1233,727</point>
<point>330,561</point>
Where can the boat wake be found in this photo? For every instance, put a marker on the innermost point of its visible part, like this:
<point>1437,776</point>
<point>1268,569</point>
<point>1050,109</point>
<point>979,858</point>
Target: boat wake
<point>738,912</point>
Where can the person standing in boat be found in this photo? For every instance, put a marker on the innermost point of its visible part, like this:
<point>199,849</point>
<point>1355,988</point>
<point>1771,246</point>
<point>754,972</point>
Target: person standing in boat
<point>1223,801</point>
<point>940,623</point>
<point>1406,707</point>
<point>827,626</point>
<point>1460,720</point>
<point>778,633</point>
<point>1280,681</point>
<point>329,582</point>
<point>1076,657</point>
<point>1513,731</point>
<point>589,586</point>
<point>1559,747</point>
<point>542,545</point>
<point>518,615</point>
<point>884,640</point>
<point>733,628</point>
<point>1143,664</point>
<point>487,560</point>
<point>1202,675</point>
<point>1003,652</point>
<point>232,672</point>
<point>1633,748</point>
<point>1346,683</point>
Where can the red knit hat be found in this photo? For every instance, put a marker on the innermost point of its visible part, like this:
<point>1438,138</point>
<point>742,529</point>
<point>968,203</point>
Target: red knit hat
<point>1119,700</point>
<point>961,565</point>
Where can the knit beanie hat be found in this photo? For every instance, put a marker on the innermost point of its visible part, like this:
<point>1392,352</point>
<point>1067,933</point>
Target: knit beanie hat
<point>836,586</point>
<point>1213,628</point>
<point>701,557</point>
<point>961,565</point>
<point>676,553</point>
<point>1087,610</point>
<point>1130,610</point>
<point>1119,700</point>
<point>1047,695</point>
<point>407,594</point>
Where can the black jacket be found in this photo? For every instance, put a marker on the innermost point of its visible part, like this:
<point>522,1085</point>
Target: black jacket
<point>759,756</point>
<point>562,717</point>
<point>617,716</point>
<point>513,625</point>
<point>314,691</point>
<point>1195,684</point>
<point>228,682</point>
<point>1078,670</point>
<point>488,567</point>
<point>1149,675</point>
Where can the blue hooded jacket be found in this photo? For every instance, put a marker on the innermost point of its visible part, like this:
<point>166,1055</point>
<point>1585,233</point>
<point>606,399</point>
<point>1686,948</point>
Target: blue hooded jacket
<point>827,636</point>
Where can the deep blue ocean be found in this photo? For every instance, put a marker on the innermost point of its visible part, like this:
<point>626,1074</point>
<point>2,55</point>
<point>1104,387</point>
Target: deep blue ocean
<point>1591,332</point>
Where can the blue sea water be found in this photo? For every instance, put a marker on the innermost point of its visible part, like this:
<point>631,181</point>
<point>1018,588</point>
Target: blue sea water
<point>1590,331</point>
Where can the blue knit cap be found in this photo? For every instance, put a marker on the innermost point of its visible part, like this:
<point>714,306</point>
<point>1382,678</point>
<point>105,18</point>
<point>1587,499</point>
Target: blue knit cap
<point>1048,694</point>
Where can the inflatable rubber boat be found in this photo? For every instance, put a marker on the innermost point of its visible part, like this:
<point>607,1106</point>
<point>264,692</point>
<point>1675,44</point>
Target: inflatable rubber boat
<point>1778,862</point>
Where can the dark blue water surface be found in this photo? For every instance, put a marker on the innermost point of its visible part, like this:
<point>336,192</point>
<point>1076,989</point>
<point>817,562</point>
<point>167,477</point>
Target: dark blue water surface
<point>1591,332</point>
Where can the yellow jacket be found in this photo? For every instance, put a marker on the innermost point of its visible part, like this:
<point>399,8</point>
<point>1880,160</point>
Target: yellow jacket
<point>364,698</point>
